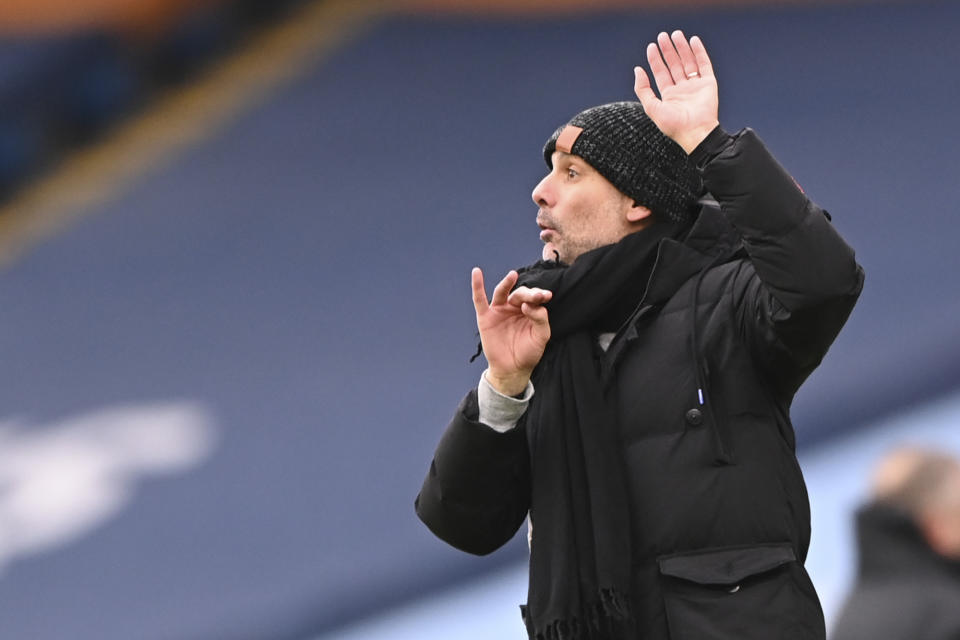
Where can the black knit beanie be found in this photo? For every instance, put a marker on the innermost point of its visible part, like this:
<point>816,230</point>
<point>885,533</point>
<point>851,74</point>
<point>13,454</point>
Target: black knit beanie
<point>629,150</point>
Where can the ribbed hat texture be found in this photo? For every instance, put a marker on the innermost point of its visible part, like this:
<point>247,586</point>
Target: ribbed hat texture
<point>623,144</point>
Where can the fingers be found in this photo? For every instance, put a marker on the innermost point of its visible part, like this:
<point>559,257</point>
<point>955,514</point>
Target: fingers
<point>658,67</point>
<point>479,293</point>
<point>502,290</point>
<point>502,294</point>
<point>673,59</point>
<point>688,61</point>
<point>525,295</point>
<point>536,313</point>
<point>704,66</point>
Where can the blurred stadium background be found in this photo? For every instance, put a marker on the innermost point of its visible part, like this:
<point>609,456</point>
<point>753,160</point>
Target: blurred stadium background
<point>234,305</point>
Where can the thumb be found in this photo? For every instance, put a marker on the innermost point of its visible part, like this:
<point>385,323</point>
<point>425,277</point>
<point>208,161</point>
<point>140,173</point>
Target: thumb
<point>641,87</point>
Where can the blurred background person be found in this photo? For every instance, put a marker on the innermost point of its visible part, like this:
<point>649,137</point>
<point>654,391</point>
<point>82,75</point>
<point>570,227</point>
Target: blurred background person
<point>908,536</point>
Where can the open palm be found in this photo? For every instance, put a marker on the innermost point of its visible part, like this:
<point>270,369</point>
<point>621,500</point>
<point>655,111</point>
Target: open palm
<point>687,109</point>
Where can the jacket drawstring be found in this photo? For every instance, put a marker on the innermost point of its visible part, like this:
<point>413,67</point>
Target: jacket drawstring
<point>700,372</point>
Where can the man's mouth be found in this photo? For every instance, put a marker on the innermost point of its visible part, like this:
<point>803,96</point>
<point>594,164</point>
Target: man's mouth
<point>546,228</point>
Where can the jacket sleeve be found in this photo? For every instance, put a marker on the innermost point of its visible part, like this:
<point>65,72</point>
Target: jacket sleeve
<point>802,280</point>
<point>477,491</point>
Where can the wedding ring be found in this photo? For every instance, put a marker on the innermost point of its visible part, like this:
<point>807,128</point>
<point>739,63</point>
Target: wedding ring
<point>693,74</point>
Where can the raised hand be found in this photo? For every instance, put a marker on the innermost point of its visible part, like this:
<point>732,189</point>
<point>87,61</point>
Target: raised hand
<point>514,330</point>
<point>687,109</point>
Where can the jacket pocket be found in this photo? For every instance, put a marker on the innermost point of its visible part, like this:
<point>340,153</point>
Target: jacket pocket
<point>755,592</point>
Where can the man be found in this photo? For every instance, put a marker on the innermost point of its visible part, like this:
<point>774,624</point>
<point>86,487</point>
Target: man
<point>908,585</point>
<point>636,400</point>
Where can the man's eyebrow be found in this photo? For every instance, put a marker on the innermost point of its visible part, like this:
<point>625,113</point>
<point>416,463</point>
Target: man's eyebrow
<point>570,158</point>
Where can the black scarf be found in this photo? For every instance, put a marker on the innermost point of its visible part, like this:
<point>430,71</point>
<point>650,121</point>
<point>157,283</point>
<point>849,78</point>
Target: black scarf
<point>581,556</point>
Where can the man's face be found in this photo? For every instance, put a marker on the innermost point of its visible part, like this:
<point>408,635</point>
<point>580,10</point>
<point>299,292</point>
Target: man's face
<point>581,210</point>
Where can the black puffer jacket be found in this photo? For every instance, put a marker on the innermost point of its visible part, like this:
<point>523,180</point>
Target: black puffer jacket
<point>904,590</point>
<point>719,511</point>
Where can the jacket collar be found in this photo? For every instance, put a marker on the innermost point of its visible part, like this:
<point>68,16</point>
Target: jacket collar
<point>710,237</point>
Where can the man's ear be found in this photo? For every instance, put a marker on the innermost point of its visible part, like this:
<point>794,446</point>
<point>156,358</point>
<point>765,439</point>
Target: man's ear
<point>638,213</point>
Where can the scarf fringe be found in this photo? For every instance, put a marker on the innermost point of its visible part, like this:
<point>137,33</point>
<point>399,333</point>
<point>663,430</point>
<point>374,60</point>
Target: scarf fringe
<point>615,604</point>
<point>610,608</point>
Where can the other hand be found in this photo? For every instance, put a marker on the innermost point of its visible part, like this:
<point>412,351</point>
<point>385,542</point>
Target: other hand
<point>514,330</point>
<point>687,109</point>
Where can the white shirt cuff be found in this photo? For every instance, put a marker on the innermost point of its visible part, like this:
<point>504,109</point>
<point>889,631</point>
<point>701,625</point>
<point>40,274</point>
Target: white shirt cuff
<point>497,411</point>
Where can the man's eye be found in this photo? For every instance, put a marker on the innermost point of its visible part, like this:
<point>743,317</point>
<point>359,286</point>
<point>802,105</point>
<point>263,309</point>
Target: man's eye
<point>572,173</point>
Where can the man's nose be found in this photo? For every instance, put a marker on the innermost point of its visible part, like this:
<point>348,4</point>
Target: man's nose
<point>543,193</point>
